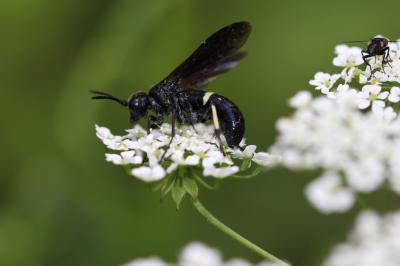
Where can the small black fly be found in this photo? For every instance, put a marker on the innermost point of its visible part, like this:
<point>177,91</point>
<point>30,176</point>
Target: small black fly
<point>376,46</point>
<point>181,94</point>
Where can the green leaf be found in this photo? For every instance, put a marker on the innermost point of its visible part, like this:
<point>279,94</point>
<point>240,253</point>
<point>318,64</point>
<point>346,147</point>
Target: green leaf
<point>204,183</point>
<point>178,193</point>
<point>191,187</point>
<point>166,188</point>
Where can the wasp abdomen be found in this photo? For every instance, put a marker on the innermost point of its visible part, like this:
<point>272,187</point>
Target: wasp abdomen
<point>227,118</point>
<point>230,118</point>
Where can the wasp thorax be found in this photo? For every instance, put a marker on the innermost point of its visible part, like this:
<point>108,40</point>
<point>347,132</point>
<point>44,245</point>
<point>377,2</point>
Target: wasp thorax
<point>138,104</point>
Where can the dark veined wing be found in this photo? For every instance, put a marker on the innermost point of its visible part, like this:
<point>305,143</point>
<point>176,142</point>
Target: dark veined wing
<point>217,54</point>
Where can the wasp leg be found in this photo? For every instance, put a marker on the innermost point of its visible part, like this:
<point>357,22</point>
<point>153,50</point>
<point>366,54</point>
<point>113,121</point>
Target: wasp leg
<point>149,123</point>
<point>173,122</point>
<point>180,115</point>
<point>185,105</point>
<point>193,117</point>
<point>217,127</point>
<point>154,121</point>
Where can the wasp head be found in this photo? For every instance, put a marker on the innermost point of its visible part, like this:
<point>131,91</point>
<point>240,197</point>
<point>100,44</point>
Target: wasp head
<point>138,104</point>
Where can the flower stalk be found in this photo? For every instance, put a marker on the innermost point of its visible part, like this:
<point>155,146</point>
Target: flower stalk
<point>235,236</point>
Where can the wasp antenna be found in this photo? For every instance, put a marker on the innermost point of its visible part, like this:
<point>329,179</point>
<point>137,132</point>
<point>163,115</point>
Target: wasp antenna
<point>104,95</point>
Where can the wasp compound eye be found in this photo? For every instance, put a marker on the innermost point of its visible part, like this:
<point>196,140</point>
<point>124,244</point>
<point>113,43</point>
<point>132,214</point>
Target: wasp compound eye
<point>138,105</point>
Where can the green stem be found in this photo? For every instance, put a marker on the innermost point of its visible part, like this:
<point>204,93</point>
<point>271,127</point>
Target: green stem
<point>256,171</point>
<point>225,229</point>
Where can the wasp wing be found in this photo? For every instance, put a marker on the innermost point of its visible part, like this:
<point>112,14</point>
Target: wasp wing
<point>217,54</point>
<point>200,79</point>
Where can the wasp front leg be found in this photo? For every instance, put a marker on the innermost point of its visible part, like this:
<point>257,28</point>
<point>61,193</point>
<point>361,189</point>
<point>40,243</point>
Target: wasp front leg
<point>154,121</point>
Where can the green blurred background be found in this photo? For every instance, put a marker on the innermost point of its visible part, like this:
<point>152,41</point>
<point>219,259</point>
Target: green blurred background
<point>62,204</point>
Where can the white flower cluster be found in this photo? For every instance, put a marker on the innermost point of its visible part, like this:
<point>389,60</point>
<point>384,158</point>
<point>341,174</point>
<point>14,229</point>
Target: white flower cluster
<point>197,254</point>
<point>375,241</point>
<point>356,151</point>
<point>378,90</point>
<point>196,149</point>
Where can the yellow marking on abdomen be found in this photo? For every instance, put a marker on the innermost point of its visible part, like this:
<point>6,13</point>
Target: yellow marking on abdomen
<point>206,97</point>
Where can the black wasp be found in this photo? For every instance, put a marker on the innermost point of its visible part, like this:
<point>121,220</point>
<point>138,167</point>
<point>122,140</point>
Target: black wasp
<point>181,94</point>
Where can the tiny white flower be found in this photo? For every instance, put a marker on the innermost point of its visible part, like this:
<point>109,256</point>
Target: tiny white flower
<point>198,254</point>
<point>347,56</point>
<point>266,159</point>
<point>119,144</point>
<point>267,263</point>
<point>178,157</point>
<point>371,94</point>
<point>366,176</point>
<point>386,114</point>
<point>301,99</point>
<point>149,174</point>
<point>220,172</point>
<point>328,195</point>
<point>394,95</point>
<point>103,133</point>
<point>363,79</point>
<point>192,160</point>
<point>126,157</point>
<point>215,157</point>
<point>248,152</point>
<point>146,262</point>
<point>237,262</point>
<point>324,81</point>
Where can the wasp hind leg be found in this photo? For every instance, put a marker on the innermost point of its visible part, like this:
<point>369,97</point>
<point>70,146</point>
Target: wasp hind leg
<point>217,127</point>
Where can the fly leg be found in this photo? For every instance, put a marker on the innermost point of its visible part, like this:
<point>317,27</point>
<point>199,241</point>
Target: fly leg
<point>386,56</point>
<point>366,55</point>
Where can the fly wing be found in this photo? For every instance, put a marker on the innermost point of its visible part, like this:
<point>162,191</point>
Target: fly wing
<point>217,54</point>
